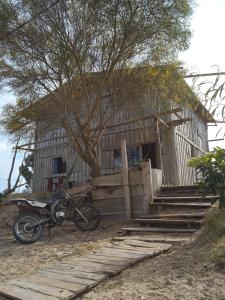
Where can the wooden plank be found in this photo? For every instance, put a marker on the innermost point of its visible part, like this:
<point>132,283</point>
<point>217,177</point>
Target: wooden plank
<point>158,229</point>
<point>120,254</point>
<point>42,288</point>
<point>70,268</point>
<point>112,258</point>
<point>92,266</point>
<point>133,249</point>
<point>65,277</point>
<point>154,238</point>
<point>108,193</point>
<point>108,180</point>
<point>147,186</point>
<point>106,260</point>
<point>127,253</point>
<point>76,288</point>
<point>135,177</point>
<point>147,244</point>
<point>17,293</point>
<point>127,197</point>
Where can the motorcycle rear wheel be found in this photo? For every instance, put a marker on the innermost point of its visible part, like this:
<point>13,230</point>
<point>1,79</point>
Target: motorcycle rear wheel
<point>90,213</point>
<point>23,233</point>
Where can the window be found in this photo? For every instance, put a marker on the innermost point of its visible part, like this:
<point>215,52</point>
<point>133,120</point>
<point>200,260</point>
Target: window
<point>149,152</point>
<point>59,166</point>
<point>133,156</point>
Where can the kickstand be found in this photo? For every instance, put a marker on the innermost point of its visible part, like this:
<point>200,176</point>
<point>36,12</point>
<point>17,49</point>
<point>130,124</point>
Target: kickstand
<point>49,231</point>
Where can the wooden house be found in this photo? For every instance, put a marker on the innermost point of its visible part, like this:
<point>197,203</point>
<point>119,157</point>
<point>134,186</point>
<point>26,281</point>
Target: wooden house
<point>168,136</point>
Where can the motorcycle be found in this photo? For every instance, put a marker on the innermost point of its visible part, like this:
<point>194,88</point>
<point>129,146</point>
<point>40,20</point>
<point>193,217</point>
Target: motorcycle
<point>28,227</point>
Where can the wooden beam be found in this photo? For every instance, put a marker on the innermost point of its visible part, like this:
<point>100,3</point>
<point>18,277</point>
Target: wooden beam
<point>163,123</point>
<point>171,111</point>
<point>190,141</point>
<point>204,74</point>
<point>215,140</point>
<point>127,197</point>
<point>147,186</point>
<point>25,149</point>
<point>178,122</point>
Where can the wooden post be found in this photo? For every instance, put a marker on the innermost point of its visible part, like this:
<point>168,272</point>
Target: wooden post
<point>159,144</point>
<point>128,211</point>
<point>147,186</point>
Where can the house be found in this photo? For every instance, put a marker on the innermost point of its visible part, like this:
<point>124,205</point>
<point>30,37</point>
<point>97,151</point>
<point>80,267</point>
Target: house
<point>169,135</point>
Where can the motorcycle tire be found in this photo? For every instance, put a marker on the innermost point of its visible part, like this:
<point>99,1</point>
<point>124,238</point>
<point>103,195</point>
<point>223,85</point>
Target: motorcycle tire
<point>26,235</point>
<point>91,215</point>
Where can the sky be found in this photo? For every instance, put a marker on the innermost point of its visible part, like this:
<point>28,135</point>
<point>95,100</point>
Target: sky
<point>206,54</point>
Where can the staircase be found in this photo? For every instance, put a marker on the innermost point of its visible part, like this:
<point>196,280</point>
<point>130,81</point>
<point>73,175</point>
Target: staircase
<point>176,209</point>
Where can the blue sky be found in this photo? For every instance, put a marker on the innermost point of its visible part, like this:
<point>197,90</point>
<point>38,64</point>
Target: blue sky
<point>207,50</point>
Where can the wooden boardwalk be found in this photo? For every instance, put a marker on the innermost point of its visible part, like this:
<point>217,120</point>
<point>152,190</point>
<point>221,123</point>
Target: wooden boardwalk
<point>69,279</point>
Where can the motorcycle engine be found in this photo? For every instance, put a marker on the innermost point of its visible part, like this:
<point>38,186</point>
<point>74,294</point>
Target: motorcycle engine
<point>60,215</point>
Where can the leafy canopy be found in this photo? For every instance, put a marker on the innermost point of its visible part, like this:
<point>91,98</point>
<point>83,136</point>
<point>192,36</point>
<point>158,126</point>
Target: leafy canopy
<point>88,57</point>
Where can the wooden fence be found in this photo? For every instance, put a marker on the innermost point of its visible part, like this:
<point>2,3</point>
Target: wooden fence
<point>129,193</point>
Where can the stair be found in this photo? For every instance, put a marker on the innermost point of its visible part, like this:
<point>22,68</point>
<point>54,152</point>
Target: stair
<point>176,209</point>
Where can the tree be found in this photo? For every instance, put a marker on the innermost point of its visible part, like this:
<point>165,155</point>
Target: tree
<point>25,172</point>
<point>86,60</point>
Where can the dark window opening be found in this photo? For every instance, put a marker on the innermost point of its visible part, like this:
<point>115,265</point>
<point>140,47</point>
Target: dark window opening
<point>133,156</point>
<point>149,152</point>
<point>59,166</point>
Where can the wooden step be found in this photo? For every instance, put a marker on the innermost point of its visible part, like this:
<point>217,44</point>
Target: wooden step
<point>159,229</point>
<point>181,204</point>
<point>175,215</point>
<point>175,194</point>
<point>183,199</point>
<point>180,187</point>
<point>169,221</point>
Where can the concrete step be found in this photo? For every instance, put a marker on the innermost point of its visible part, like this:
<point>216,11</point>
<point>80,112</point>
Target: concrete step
<point>158,229</point>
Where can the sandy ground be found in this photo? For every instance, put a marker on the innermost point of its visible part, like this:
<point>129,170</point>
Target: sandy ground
<point>181,274</point>
<point>66,240</point>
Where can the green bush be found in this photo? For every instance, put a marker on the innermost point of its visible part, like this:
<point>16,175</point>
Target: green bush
<point>214,234</point>
<point>212,168</point>
<point>215,225</point>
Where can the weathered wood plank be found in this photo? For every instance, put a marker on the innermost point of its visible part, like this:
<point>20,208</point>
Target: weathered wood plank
<point>106,260</point>
<point>43,288</point>
<point>155,238</point>
<point>103,269</point>
<point>146,245</point>
<point>67,269</point>
<point>76,288</point>
<point>17,293</point>
<point>108,180</point>
<point>127,197</point>
<point>69,278</point>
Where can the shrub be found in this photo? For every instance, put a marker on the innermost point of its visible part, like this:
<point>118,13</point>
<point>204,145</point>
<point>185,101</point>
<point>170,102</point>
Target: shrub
<point>212,168</point>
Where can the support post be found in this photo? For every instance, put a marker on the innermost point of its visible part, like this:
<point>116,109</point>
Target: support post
<point>147,186</point>
<point>127,198</point>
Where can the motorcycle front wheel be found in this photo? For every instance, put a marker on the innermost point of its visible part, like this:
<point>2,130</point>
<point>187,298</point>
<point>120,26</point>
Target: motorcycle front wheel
<point>23,232</point>
<point>86,217</point>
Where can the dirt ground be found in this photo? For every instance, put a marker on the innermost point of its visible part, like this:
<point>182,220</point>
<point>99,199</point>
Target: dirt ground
<point>181,274</point>
<point>66,240</point>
